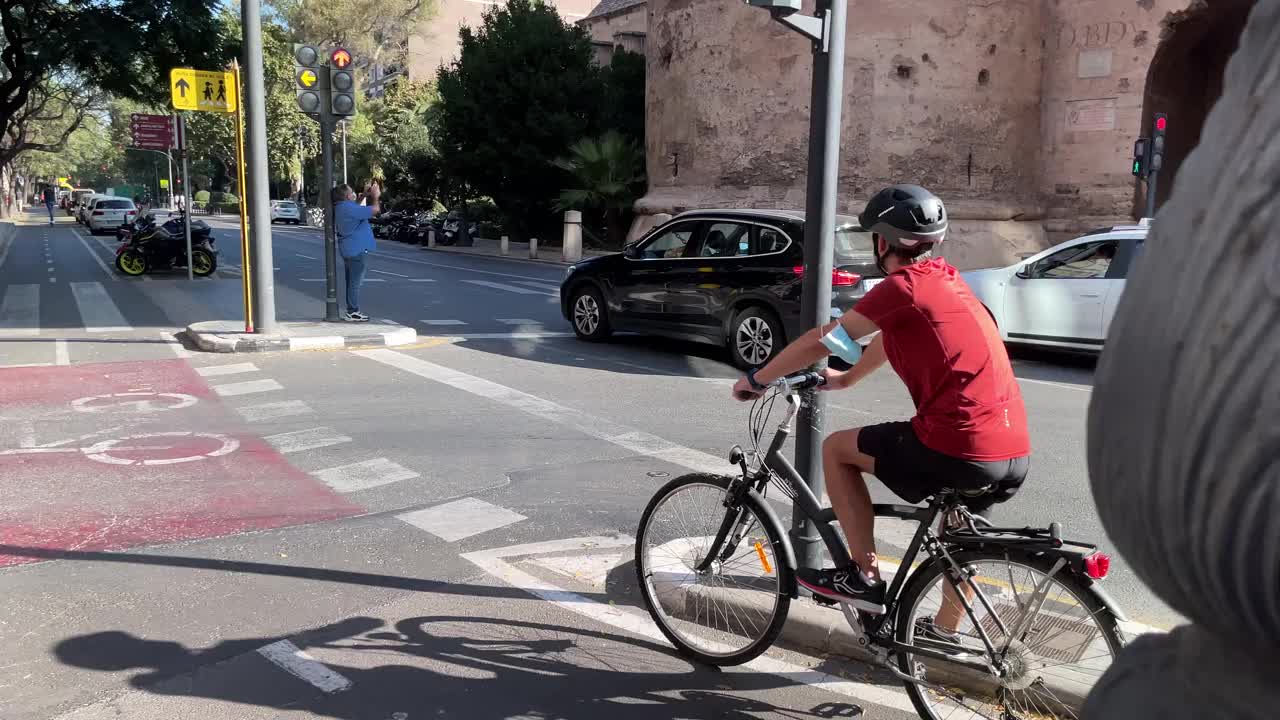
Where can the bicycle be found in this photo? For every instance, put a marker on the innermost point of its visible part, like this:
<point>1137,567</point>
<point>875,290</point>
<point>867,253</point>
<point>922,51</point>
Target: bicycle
<point>727,568</point>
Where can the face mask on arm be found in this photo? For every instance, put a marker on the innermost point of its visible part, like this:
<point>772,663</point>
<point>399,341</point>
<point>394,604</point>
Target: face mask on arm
<point>841,345</point>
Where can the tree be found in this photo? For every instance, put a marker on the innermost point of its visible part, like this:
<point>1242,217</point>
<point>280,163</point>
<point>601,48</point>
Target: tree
<point>623,101</point>
<point>375,31</point>
<point>608,173</point>
<point>523,89</point>
<point>62,51</point>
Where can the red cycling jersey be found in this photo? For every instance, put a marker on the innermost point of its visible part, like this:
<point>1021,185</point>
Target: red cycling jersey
<point>944,345</point>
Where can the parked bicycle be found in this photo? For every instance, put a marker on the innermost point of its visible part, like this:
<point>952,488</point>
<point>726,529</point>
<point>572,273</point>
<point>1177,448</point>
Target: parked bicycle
<point>1033,630</point>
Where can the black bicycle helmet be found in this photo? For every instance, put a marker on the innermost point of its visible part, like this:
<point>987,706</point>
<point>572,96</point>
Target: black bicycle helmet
<point>905,216</point>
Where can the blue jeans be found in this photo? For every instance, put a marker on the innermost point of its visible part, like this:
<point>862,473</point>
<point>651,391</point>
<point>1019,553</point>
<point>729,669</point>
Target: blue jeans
<point>354,267</point>
<point>49,206</point>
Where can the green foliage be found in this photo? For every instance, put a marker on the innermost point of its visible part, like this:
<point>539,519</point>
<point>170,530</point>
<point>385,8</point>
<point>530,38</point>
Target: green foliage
<point>623,100</point>
<point>203,196</point>
<point>522,90</point>
<point>375,31</point>
<point>607,173</point>
<point>390,140</point>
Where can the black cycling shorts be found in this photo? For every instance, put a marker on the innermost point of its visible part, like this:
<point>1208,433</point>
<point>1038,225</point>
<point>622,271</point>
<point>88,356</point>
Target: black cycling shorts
<point>914,472</point>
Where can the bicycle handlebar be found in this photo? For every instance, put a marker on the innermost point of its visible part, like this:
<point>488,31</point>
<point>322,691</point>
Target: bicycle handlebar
<point>789,383</point>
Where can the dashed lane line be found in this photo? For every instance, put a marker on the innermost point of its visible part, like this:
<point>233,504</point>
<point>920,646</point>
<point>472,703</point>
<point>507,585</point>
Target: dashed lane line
<point>247,387</point>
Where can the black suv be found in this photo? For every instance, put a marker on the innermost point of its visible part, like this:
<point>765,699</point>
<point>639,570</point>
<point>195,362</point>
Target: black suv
<point>729,277</point>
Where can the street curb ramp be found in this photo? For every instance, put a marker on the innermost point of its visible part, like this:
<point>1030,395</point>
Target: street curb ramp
<point>220,336</point>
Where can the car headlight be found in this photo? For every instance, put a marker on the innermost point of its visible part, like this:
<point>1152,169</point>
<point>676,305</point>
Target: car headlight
<point>569,270</point>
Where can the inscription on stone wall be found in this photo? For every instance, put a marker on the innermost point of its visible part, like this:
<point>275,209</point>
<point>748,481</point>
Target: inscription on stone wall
<point>1091,115</point>
<point>1094,63</point>
<point>1093,35</point>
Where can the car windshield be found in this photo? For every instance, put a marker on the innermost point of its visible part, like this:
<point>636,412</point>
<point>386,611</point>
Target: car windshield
<point>115,205</point>
<point>286,206</point>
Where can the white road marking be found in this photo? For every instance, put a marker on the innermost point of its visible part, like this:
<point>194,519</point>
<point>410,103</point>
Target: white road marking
<point>98,312</point>
<point>442,322</point>
<point>20,311</point>
<point>220,370</point>
<point>505,287</point>
<point>364,475</point>
<point>421,280</point>
<point>170,339</point>
<point>461,518</point>
<point>518,321</point>
<point>513,336</point>
<point>301,440</point>
<point>274,411</point>
<point>634,621</point>
<point>61,353</point>
<point>310,279</point>
<point>247,387</point>
<point>541,285</point>
<point>53,280</point>
<point>293,660</point>
<point>96,257</point>
<point>384,272</point>
<point>308,257</point>
<point>634,440</point>
<point>4,251</point>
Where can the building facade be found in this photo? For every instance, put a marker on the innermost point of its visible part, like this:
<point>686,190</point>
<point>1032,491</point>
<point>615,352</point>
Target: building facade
<point>1022,114</point>
<point>617,25</point>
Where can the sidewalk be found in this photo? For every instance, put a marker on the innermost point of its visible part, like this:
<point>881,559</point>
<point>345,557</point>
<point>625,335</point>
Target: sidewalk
<point>517,251</point>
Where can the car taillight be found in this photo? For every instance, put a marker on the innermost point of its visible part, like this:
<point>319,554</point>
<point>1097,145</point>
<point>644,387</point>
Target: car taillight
<point>839,278</point>
<point>1097,565</point>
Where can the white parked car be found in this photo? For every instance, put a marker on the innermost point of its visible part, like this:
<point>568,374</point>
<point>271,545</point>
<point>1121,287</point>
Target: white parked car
<point>286,211</point>
<point>1065,296</point>
<point>109,213</point>
<point>82,207</point>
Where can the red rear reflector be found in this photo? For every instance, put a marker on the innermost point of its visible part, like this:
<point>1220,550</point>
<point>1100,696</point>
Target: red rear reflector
<point>1097,565</point>
<point>839,278</point>
<point>98,212</point>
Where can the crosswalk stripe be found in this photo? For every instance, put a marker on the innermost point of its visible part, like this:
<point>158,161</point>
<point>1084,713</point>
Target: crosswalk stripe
<point>20,311</point>
<point>504,286</point>
<point>442,322</point>
<point>61,353</point>
<point>364,475</point>
<point>247,387</point>
<point>461,519</point>
<point>220,370</point>
<point>311,439</point>
<point>518,321</point>
<point>274,410</point>
<point>97,311</point>
<point>540,285</point>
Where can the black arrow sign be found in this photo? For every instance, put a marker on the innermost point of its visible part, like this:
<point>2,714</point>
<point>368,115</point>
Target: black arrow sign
<point>182,86</point>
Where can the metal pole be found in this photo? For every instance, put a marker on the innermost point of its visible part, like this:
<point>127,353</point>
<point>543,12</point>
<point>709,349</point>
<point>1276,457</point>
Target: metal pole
<point>259,195</point>
<point>344,152</point>
<point>326,202</point>
<point>1151,193</point>
<point>186,184</point>
<point>826,100</point>
<point>246,268</point>
<point>169,159</point>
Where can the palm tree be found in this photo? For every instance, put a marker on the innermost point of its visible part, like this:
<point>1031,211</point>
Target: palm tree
<point>609,174</point>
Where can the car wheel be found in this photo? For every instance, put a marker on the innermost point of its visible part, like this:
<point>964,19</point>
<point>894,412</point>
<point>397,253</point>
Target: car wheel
<point>755,337</point>
<point>588,313</point>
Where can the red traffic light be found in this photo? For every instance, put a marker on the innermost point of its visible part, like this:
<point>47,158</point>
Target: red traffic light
<point>1161,123</point>
<point>340,58</point>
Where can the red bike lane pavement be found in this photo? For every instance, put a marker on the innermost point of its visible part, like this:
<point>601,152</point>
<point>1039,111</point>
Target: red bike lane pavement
<point>116,455</point>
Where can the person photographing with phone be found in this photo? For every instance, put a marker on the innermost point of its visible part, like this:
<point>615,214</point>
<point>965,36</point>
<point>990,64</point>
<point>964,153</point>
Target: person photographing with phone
<point>969,432</point>
<point>355,240</point>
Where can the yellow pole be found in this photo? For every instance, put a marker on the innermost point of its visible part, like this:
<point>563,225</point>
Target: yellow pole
<point>244,196</point>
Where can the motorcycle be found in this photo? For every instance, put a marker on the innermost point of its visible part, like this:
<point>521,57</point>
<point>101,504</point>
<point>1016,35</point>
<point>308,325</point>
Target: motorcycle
<point>147,244</point>
<point>451,232</point>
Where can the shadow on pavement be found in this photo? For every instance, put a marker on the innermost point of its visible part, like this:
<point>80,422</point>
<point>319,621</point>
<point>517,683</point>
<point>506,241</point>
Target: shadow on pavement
<point>628,354</point>
<point>457,667</point>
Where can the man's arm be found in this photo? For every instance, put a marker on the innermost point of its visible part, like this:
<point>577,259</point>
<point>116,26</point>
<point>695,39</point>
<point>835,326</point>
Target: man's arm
<point>374,193</point>
<point>873,356</point>
<point>808,348</point>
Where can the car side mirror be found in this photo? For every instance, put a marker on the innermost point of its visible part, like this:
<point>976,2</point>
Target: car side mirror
<point>631,250</point>
<point>1025,272</point>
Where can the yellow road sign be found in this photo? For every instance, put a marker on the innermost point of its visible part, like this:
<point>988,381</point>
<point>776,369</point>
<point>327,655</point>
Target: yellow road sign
<point>308,78</point>
<point>211,91</point>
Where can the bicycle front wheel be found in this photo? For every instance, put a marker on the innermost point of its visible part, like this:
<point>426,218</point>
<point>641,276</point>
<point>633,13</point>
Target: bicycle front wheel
<point>1054,639</point>
<point>730,609</point>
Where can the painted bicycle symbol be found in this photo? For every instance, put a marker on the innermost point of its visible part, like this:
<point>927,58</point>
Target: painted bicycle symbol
<point>135,402</point>
<point>146,449</point>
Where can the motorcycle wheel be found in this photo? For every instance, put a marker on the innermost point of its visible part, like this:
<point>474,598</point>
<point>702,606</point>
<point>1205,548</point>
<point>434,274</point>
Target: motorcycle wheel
<point>131,263</point>
<point>203,262</point>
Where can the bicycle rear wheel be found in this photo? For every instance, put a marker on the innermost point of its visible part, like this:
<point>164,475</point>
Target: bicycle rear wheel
<point>1064,645</point>
<point>731,611</point>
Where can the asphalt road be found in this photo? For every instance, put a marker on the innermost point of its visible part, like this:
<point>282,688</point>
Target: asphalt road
<point>443,529</point>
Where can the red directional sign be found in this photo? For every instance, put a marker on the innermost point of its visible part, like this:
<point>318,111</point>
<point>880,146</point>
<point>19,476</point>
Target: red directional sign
<point>152,132</point>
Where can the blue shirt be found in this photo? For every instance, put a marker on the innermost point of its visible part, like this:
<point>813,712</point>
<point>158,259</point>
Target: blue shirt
<point>351,225</point>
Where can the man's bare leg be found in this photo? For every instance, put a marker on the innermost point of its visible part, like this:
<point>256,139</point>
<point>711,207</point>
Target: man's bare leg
<point>843,465</point>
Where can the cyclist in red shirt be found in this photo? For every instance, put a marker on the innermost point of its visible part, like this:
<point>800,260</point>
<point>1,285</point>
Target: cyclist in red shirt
<point>970,428</point>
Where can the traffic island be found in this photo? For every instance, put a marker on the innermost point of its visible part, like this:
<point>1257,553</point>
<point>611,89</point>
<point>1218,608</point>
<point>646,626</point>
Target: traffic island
<point>226,336</point>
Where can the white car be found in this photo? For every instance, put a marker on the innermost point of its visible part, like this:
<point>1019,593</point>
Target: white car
<point>1064,296</point>
<point>82,207</point>
<point>286,211</point>
<point>109,213</point>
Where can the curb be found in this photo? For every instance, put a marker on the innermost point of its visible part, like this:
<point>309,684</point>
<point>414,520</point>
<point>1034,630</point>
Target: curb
<point>554,263</point>
<point>213,342</point>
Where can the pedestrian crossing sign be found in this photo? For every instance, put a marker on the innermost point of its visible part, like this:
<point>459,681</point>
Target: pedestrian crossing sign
<point>210,91</point>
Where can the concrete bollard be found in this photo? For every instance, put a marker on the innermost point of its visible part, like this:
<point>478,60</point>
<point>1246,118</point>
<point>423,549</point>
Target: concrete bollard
<point>431,237</point>
<point>571,248</point>
<point>533,248</point>
<point>504,246</point>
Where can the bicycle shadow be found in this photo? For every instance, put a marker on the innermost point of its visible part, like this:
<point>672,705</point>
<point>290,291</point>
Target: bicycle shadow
<point>454,666</point>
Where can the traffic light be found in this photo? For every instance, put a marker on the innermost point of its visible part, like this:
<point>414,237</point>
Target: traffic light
<point>1157,142</point>
<point>306,74</point>
<point>342,84</point>
<point>1140,157</point>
